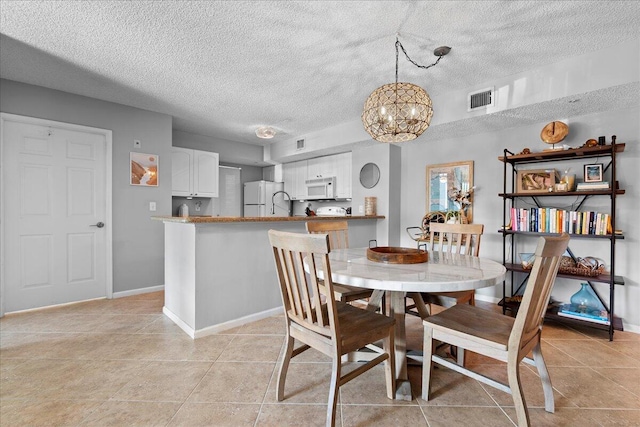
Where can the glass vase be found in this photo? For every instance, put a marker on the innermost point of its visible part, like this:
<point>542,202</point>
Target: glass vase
<point>585,300</point>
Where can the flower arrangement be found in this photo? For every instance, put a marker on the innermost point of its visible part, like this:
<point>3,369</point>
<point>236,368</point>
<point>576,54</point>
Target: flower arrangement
<point>462,198</point>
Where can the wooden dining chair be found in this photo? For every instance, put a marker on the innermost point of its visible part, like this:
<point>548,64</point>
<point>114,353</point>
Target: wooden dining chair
<point>458,239</point>
<point>498,336</point>
<point>338,232</point>
<point>331,327</point>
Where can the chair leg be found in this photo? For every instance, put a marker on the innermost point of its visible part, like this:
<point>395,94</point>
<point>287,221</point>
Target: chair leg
<point>427,363</point>
<point>513,373</point>
<point>390,364</point>
<point>547,388</point>
<point>288,351</point>
<point>333,391</point>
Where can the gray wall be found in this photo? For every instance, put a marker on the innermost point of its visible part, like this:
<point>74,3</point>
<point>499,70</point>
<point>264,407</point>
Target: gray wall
<point>138,241</point>
<point>484,150</point>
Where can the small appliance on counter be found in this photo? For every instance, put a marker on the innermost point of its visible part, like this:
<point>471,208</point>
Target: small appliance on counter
<point>183,210</point>
<point>331,211</point>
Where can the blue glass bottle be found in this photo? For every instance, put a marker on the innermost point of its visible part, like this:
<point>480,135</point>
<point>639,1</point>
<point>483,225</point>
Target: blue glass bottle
<point>585,300</point>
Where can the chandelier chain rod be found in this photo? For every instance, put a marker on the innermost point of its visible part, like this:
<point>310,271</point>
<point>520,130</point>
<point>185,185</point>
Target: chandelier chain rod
<point>398,44</point>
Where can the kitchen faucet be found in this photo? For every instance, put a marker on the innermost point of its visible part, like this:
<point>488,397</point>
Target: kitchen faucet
<point>273,205</point>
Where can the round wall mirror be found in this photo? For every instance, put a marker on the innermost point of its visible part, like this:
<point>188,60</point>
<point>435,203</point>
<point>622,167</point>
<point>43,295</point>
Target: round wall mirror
<point>369,175</point>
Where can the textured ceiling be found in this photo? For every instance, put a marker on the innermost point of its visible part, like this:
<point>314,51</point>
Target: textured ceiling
<point>223,68</point>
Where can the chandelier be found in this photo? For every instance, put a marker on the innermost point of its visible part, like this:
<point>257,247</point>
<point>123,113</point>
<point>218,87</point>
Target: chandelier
<point>399,112</point>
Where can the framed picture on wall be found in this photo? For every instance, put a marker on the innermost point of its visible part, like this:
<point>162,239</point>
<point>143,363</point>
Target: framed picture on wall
<point>447,183</point>
<point>144,169</point>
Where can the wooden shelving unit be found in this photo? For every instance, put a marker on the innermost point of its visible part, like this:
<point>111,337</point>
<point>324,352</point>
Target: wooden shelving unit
<point>510,197</point>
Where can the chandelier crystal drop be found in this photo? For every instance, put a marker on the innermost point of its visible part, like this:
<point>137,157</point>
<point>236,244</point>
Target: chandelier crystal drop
<point>399,112</point>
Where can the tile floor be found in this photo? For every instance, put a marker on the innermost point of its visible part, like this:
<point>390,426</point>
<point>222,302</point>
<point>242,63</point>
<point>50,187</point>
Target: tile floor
<point>122,363</point>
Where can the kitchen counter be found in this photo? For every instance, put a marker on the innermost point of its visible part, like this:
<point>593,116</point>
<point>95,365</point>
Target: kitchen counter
<point>218,219</point>
<point>219,272</point>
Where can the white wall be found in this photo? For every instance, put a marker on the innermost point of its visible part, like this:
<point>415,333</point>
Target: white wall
<point>138,241</point>
<point>484,150</point>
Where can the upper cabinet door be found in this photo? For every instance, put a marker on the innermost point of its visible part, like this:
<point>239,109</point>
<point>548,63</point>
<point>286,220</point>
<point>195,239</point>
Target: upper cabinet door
<point>182,178</point>
<point>205,174</point>
<point>343,175</point>
<point>321,167</point>
<point>194,173</point>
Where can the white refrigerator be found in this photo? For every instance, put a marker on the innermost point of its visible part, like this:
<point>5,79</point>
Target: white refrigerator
<point>258,196</point>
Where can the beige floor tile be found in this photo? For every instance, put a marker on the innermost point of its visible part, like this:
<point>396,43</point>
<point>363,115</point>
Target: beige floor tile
<point>629,348</point>
<point>68,379</point>
<point>117,362</point>
<point>587,388</point>
<point>234,382</point>
<point>164,381</point>
<point>597,353</point>
<point>449,388</point>
<point>562,417</point>
<point>254,348</point>
<point>616,418</point>
<point>369,388</point>
<point>131,414</point>
<point>383,416</point>
<point>294,415</point>
<point>269,326</point>
<point>305,383</point>
<point>216,414</point>
<point>531,384</point>
<point>45,412</point>
<point>629,378</point>
<point>468,416</point>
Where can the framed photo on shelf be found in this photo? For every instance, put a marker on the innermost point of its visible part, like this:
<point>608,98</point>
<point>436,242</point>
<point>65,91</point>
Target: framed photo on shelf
<point>593,173</point>
<point>535,180</point>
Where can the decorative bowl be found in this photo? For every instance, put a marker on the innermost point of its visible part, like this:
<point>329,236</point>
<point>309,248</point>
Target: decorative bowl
<point>395,255</point>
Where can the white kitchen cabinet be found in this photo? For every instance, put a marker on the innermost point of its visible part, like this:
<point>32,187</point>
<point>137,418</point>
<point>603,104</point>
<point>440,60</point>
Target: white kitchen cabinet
<point>194,173</point>
<point>343,175</point>
<point>339,166</point>
<point>321,167</point>
<point>295,174</point>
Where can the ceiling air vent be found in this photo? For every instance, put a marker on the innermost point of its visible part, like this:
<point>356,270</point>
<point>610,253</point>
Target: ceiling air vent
<point>480,99</point>
<point>300,144</point>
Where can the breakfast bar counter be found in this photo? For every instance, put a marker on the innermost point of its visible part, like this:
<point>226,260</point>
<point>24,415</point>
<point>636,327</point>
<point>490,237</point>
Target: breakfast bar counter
<point>220,273</point>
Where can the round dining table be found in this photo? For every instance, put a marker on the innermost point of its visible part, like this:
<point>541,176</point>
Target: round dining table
<point>442,272</point>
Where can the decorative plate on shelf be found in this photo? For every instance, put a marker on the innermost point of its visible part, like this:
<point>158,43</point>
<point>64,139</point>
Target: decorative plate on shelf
<point>554,132</point>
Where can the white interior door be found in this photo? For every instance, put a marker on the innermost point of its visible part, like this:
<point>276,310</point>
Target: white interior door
<point>55,214</point>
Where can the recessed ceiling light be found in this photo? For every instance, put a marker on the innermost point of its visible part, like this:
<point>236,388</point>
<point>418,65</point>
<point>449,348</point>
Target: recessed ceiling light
<point>265,132</point>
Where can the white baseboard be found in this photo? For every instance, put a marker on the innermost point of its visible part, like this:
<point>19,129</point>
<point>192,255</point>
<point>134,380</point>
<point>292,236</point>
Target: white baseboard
<point>138,291</point>
<point>221,327</point>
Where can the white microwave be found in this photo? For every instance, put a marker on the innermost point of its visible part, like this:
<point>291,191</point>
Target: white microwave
<point>320,188</point>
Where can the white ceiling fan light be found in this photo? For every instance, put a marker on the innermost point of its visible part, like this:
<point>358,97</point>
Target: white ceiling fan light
<point>265,132</point>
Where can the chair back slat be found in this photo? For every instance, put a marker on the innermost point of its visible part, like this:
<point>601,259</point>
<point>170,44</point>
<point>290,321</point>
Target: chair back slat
<point>300,290</point>
<point>338,232</point>
<point>455,238</point>
<point>528,323</point>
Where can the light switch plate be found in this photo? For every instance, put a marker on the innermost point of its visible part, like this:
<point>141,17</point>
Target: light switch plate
<point>137,143</point>
<point>152,206</point>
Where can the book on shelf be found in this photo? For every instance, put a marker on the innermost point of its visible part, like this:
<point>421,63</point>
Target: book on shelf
<point>602,185</point>
<point>553,220</point>
<point>571,311</point>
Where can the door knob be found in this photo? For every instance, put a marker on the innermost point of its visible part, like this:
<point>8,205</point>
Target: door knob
<point>99,225</point>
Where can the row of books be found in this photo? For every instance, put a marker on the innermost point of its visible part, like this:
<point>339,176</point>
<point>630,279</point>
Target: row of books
<point>573,312</point>
<point>553,220</point>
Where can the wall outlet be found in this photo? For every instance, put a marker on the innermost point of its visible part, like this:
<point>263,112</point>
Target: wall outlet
<point>361,209</point>
<point>152,206</point>
<point>137,143</point>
